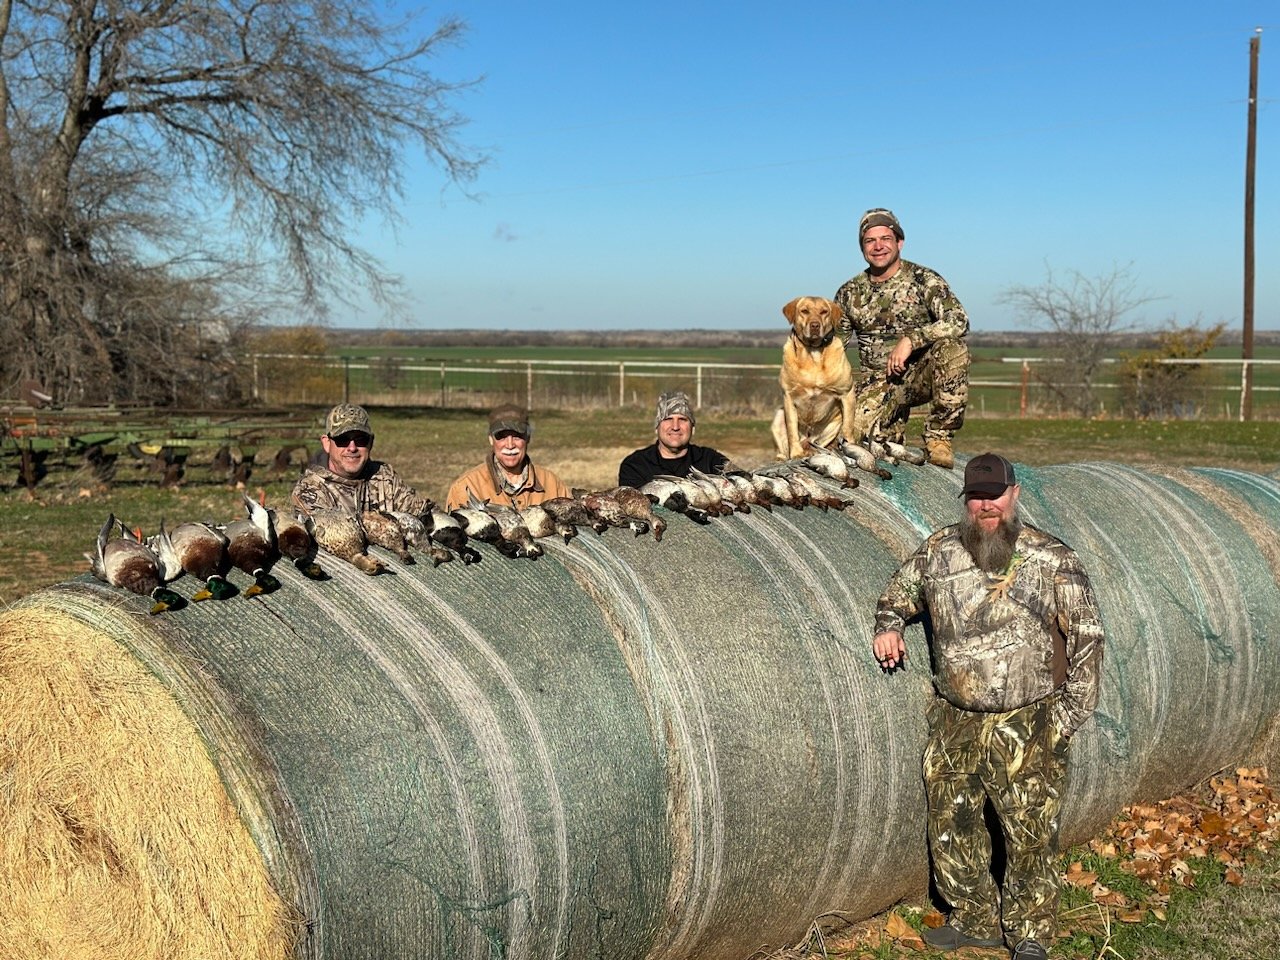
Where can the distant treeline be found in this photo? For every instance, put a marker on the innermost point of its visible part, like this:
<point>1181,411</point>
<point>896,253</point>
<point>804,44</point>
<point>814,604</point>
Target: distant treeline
<point>650,339</point>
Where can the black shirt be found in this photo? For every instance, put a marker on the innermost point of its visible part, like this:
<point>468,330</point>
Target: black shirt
<point>643,465</point>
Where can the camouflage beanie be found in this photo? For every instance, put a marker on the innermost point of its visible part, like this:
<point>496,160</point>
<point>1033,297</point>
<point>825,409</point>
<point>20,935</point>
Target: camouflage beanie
<point>670,404</point>
<point>879,217</point>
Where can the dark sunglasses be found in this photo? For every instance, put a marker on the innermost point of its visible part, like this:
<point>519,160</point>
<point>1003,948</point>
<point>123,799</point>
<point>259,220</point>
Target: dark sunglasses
<point>346,439</point>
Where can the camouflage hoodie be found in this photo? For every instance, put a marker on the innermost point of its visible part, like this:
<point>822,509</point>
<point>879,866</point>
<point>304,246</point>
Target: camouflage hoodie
<point>994,635</point>
<point>381,489</point>
<point>915,302</point>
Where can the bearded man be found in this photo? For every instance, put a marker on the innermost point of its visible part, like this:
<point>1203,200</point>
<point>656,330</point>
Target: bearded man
<point>1017,653</point>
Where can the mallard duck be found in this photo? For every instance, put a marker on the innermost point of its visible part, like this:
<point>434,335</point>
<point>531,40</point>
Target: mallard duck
<point>129,563</point>
<point>295,539</point>
<point>340,533</point>
<point>251,547</point>
<point>202,551</point>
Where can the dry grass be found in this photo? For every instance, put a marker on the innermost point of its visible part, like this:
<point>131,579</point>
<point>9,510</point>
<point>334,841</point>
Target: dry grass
<point>117,838</point>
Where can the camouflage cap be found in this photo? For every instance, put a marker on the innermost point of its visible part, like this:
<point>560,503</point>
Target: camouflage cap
<point>347,418</point>
<point>988,475</point>
<point>512,418</point>
<point>880,217</point>
<point>670,404</point>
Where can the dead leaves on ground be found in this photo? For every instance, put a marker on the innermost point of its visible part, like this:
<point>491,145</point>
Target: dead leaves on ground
<point>1233,818</point>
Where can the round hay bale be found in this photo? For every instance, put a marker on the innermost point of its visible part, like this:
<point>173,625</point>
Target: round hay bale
<point>624,749</point>
<point>120,837</point>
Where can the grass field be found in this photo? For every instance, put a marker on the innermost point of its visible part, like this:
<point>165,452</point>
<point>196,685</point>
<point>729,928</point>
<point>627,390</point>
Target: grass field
<point>568,376</point>
<point>46,536</point>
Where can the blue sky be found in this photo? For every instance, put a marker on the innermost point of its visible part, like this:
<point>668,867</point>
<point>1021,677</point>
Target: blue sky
<point>697,165</point>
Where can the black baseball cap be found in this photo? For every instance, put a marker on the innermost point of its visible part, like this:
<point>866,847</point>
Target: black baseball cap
<point>988,475</point>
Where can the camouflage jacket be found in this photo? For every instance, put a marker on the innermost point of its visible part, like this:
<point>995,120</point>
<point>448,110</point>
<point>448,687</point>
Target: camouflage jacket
<point>915,302</point>
<point>380,489</point>
<point>994,635</point>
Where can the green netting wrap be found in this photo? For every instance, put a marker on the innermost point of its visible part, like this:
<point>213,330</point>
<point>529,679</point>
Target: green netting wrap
<point>625,749</point>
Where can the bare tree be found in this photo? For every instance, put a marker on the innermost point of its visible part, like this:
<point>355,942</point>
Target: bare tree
<point>165,163</point>
<point>1086,315</point>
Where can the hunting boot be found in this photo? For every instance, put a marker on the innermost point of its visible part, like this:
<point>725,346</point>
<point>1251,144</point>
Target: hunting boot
<point>940,453</point>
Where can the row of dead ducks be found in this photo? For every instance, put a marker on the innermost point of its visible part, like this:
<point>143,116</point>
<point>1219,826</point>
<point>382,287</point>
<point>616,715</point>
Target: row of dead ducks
<point>253,544</point>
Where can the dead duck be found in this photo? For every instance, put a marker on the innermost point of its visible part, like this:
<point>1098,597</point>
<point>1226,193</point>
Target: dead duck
<point>603,504</point>
<point>516,539</point>
<point>667,493</point>
<point>741,481</point>
<point>817,496</point>
<point>730,495</point>
<point>128,563</point>
<point>381,529</point>
<point>251,547</point>
<point>777,489</point>
<point>445,531</point>
<point>904,454</point>
<point>476,522</point>
<point>574,511</point>
<point>339,532</point>
<point>296,540</point>
<point>418,536</point>
<point>639,508</point>
<point>823,461</point>
<point>862,458</point>
<point>543,523</point>
<point>202,552</point>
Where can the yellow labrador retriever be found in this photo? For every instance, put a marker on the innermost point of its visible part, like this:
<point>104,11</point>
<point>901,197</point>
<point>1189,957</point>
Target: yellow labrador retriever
<point>817,380</point>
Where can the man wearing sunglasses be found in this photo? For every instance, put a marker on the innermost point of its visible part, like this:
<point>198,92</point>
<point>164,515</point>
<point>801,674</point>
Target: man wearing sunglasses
<point>348,477</point>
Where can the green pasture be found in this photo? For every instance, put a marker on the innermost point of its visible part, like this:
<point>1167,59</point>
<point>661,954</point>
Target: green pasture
<point>726,378</point>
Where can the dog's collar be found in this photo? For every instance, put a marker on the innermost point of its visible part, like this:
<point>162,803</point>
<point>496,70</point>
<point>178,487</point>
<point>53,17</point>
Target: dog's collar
<point>821,345</point>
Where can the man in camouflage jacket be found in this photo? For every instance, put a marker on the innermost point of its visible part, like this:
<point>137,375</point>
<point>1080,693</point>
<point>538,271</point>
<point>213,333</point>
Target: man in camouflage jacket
<point>911,334</point>
<point>348,478</point>
<point>1017,652</point>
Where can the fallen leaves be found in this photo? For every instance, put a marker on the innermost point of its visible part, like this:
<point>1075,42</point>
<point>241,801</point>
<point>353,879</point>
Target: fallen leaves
<point>1231,819</point>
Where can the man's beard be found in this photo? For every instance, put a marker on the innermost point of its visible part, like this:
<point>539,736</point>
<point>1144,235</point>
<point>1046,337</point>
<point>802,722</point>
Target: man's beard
<point>991,550</point>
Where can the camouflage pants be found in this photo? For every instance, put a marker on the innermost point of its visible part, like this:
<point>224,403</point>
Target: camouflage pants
<point>1018,760</point>
<point>937,375</point>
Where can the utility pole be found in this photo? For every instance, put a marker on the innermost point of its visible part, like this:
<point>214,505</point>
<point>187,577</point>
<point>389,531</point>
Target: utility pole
<point>1246,385</point>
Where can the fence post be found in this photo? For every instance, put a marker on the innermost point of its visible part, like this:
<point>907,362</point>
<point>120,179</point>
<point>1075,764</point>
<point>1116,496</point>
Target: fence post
<point>528,385</point>
<point>255,377</point>
<point>443,401</point>
<point>1022,402</point>
<point>346,379</point>
<point>698,403</point>
<point>622,383</point>
<point>1244,384</point>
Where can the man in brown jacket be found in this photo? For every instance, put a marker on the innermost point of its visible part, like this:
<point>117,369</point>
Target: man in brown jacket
<point>507,476</point>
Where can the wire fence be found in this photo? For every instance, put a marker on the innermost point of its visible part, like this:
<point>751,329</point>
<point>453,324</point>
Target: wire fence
<point>998,387</point>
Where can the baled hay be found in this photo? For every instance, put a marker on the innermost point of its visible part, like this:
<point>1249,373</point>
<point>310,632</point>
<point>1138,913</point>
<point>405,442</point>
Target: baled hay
<point>117,838</point>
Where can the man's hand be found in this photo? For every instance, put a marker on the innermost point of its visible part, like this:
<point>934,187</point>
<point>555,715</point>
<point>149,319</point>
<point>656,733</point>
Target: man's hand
<point>890,649</point>
<point>897,361</point>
